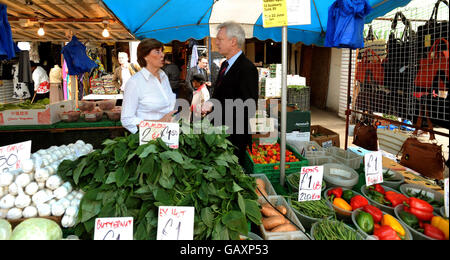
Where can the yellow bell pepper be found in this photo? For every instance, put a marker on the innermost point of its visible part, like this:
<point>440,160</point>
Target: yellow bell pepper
<point>342,204</point>
<point>441,224</point>
<point>393,223</point>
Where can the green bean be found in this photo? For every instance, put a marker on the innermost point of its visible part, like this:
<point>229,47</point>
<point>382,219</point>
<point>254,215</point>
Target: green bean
<point>314,209</point>
<point>333,230</point>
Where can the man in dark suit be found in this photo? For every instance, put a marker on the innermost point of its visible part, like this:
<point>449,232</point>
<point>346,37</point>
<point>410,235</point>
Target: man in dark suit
<point>237,81</point>
<point>201,68</point>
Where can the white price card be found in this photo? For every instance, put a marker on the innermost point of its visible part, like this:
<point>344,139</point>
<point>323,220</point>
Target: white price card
<point>373,165</point>
<point>310,184</point>
<point>446,196</point>
<point>113,228</point>
<point>168,132</point>
<point>298,12</point>
<point>12,155</point>
<point>175,223</point>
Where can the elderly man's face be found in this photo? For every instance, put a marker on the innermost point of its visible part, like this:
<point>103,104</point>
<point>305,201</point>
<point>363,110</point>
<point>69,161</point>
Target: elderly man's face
<point>224,44</point>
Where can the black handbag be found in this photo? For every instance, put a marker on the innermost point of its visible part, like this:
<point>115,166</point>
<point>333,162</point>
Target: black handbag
<point>398,67</point>
<point>431,31</point>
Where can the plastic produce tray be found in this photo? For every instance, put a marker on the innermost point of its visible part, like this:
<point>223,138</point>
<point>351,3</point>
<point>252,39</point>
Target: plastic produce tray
<point>292,235</point>
<point>339,175</point>
<point>299,97</point>
<point>348,157</point>
<point>300,146</point>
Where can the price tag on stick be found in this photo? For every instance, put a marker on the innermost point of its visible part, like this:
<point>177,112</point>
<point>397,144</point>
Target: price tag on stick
<point>168,132</point>
<point>113,228</point>
<point>12,155</point>
<point>175,223</point>
<point>310,185</point>
<point>373,165</point>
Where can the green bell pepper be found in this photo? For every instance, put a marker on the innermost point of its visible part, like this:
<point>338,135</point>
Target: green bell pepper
<point>365,222</point>
<point>347,195</point>
<point>409,219</point>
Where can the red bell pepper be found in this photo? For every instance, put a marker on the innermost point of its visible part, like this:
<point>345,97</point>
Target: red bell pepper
<point>377,187</point>
<point>420,204</point>
<point>376,213</point>
<point>386,233</point>
<point>421,215</point>
<point>335,193</point>
<point>358,201</point>
<point>433,232</point>
<point>419,208</point>
<point>395,198</point>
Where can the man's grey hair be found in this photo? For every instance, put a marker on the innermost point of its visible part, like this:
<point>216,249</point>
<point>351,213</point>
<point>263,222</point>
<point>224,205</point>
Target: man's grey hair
<point>234,30</point>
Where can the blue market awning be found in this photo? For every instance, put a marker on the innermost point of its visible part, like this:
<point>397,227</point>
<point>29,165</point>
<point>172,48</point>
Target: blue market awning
<point>168,20</point>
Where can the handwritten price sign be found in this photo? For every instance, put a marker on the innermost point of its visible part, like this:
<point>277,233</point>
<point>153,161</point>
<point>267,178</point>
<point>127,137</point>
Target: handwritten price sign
<point>175,223</point>
<point>373,164</point>
<point>310,185</point>
<point>113,229</point>
<point>168,132</point>
<point>12,155</point>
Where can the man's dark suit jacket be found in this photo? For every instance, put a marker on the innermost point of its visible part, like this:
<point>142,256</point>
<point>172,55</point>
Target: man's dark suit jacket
<point>240,82</point>
<point>190,74</point>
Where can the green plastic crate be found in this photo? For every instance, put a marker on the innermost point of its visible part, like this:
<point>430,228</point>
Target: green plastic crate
<point>269,169</point>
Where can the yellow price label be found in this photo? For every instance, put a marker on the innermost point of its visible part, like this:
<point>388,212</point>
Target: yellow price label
<point>274,13</point>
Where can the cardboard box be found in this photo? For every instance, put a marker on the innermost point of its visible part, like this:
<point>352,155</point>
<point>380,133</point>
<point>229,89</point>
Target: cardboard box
<point>47,116</point>
<point>324,137</point>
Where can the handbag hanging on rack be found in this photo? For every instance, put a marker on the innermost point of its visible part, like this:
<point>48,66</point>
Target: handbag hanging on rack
<point>371,68</point>
<point>431,31</point>
<point>365,136</point>
<point>398,66</point>
<point>434,64</point>
<point>425,158</point>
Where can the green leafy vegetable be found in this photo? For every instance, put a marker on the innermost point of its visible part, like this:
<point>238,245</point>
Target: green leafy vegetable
<point>127,180</point>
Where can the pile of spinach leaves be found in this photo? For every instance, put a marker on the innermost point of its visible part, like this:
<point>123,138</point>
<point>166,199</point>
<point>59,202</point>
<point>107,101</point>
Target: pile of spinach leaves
<point>127,180</point>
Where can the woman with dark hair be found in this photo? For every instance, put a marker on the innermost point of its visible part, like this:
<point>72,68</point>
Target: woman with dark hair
<point>148,95</point>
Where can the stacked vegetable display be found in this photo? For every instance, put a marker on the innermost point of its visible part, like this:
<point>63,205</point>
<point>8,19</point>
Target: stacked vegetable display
<point>418,214</point>
<point>36,190</point>
<point>126,179</point>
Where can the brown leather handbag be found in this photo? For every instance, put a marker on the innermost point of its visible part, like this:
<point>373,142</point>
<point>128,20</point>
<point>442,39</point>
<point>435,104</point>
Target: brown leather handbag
<point>365,136</point>
<point>425,158</point>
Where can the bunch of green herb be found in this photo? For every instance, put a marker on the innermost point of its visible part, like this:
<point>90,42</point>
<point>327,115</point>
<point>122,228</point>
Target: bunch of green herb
<point>127,180</point>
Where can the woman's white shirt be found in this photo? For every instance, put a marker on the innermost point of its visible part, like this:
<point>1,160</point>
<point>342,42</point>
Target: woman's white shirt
<point>146,98</point>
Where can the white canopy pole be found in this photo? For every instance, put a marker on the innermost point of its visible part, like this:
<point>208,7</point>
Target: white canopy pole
<point>284,65</point>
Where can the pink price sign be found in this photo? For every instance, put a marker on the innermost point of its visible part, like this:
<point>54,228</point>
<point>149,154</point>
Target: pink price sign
<point>310,185</point>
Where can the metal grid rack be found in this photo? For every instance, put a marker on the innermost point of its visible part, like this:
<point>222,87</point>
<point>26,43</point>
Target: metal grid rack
<point>403,69</point>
